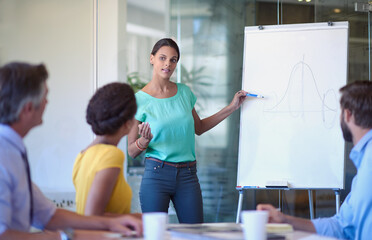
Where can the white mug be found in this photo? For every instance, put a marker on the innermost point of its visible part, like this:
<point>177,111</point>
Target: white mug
<point>254,224</point>
<point>155,225</point>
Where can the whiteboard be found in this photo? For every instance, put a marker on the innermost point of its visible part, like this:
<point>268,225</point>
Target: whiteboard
<point>293,135</point>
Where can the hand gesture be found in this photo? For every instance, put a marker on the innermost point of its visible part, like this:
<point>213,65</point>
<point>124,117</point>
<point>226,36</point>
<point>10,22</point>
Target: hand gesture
<point>144,131</point>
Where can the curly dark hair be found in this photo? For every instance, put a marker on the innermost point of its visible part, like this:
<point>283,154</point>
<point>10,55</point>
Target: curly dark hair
<point>110,107</point>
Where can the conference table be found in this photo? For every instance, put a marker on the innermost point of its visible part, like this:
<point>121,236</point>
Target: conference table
<point>227,231</point>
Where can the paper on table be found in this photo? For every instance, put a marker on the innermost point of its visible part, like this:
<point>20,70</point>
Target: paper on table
<point>279,228</point>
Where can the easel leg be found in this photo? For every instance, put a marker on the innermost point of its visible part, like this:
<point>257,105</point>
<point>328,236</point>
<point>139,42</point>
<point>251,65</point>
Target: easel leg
<point>239,206</point>
<point>311,204</point>
<point>337,193</point>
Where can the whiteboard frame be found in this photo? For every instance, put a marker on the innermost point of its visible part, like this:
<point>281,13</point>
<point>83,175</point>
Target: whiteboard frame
<point>290,27</point>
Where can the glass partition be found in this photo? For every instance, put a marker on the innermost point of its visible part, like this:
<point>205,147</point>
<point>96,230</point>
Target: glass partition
<point>210,35</point>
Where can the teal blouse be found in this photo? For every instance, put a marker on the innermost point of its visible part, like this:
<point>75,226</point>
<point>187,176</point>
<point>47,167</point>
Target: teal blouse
<point>171,123</point>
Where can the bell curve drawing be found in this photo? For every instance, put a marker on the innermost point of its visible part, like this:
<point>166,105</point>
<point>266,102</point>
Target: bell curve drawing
<point>293,134</point>
<point>297,102</point>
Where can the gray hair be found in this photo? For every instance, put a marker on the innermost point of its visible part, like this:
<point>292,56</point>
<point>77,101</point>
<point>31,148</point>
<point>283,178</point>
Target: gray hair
<point>20,83</point>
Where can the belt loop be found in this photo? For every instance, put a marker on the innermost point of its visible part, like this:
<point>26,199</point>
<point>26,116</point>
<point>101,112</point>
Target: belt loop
<point>162,164</point>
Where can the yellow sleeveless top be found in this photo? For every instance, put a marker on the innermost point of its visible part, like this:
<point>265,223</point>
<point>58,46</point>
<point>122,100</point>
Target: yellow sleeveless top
<point>93,160</point>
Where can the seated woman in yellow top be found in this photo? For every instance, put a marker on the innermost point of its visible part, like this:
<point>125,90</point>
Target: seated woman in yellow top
<point>98,170</point>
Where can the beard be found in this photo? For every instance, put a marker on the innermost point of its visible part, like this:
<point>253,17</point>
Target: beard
<point>348,136</point>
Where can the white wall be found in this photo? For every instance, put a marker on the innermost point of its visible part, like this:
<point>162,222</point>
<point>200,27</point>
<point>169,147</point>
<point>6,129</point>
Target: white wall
<point>61,33</point>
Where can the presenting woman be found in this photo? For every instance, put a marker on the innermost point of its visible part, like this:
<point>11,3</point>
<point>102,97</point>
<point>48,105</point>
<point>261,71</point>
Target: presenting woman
<point>165,129</point>
<point>98,170</point>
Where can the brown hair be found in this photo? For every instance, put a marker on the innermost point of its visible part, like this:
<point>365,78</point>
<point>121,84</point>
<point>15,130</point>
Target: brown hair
<point>357,97</point>
<point>166,42</point>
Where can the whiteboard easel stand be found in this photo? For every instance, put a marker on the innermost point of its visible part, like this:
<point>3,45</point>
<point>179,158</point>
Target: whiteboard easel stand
<point>311,204</point>
<point>310,192</point>
<point>338,201</point>
<point>280,205</point>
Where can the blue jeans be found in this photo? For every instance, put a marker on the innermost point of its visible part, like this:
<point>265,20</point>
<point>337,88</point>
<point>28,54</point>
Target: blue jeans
<point>162,183</point>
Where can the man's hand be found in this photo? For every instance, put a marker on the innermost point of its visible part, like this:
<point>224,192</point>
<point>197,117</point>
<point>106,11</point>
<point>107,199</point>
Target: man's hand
<point>274,215</point>
<point>127,225</point>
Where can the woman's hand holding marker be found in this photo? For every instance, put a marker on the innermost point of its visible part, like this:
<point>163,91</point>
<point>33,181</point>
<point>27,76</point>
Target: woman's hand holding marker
<point>238,99</point>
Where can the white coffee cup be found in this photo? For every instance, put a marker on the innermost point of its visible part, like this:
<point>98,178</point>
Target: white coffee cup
<point>155,225</point>
<point>254,224</point>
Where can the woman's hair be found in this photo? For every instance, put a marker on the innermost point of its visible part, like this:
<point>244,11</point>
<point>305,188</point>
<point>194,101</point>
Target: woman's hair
<point>166,42</point>
<point>357,97</point>
<point>20,83</point>
<point>110,107</point>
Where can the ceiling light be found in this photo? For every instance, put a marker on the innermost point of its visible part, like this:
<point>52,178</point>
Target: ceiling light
<point>336,10</point>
